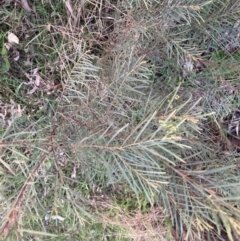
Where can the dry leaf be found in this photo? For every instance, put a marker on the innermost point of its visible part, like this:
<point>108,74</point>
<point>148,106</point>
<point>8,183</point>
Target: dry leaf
<point>69,7</point>
<point>34,80</point>
<point>34,74</point>
<point>37,80</point>
<point>26,5</point>
<point>34,71</point>
<point>60,218</point>
<point>12,38</point>
<point>16,55</point>
<point>48,27</point>
<point>8,46</point>
<point>30,92</point>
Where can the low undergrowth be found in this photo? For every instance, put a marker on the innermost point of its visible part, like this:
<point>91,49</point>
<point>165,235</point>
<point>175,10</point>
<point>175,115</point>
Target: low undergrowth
<point>119,120</point>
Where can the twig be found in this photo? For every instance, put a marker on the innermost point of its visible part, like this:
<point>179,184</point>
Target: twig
<point>13,213</point>
<point>12,216</point>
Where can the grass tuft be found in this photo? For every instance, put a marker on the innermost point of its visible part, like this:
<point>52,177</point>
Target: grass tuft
<point>119,120</point>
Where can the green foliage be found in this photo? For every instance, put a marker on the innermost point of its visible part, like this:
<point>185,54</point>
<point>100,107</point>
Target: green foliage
<point>5,65</point>
<point>113,121</point>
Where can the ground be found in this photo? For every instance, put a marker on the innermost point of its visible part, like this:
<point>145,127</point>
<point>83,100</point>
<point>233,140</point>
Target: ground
<point>119,120</point>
